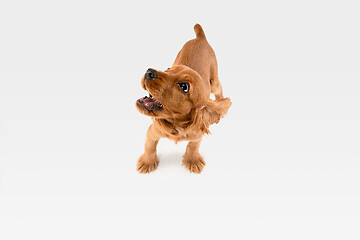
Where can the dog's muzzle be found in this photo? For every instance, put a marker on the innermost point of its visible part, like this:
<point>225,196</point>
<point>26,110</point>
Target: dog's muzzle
<point>151,74</point>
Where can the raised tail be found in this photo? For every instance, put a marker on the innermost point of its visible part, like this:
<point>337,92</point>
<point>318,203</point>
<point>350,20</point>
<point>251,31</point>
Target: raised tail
<point>199,31</point>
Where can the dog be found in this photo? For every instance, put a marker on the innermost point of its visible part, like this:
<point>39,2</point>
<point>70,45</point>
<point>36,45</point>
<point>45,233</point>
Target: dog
<point>180,105</point>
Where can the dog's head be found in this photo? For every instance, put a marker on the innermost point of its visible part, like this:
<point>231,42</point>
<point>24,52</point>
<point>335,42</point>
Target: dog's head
<point>180,94</point>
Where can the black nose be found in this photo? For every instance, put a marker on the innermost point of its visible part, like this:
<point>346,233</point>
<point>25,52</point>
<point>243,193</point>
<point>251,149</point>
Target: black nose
<point>151,74</point>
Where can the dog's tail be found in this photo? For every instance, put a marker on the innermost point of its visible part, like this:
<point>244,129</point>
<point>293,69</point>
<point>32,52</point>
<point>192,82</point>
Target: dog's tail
<point>199,31</point>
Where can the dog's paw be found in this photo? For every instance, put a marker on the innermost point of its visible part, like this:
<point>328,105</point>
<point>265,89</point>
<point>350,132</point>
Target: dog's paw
<point>194,163</point>
<point>147,164</point>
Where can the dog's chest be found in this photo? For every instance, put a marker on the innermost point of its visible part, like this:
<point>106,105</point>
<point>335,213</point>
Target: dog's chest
<point>176,133</point>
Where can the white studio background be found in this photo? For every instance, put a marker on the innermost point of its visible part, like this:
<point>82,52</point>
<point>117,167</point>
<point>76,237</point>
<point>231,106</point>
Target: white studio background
<point>283,164</point>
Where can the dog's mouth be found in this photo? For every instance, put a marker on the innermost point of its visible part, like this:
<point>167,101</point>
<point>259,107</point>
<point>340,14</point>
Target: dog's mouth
<point>150,103</point>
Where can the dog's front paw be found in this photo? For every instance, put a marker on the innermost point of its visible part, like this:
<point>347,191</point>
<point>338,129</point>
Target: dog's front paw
<point>194,163</point>
<point>147,164</point>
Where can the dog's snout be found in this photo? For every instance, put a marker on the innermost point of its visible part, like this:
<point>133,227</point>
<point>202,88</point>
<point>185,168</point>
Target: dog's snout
<point>151,74</point>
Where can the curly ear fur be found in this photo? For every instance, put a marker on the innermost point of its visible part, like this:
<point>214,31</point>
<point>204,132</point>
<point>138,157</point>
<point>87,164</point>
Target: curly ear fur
<point>210,113</point>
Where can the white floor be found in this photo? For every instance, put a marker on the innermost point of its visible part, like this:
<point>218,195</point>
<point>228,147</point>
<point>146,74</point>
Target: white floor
<point>279,164</point>
<point>283,164</point>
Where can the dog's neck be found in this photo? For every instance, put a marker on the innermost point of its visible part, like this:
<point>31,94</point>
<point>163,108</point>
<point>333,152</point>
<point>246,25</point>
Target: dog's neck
<point>175,125</point>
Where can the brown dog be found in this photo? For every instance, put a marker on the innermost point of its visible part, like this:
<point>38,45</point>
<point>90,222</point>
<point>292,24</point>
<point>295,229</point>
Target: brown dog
<point>179,102</point>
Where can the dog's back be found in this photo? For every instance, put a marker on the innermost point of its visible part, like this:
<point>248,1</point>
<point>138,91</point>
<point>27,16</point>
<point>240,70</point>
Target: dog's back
<point>199,55</point>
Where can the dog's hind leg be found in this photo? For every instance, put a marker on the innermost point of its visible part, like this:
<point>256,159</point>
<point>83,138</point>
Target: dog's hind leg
<point>215,84</point>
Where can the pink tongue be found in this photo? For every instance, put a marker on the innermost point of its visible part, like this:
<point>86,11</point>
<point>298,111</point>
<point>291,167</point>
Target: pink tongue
<point>150,103</point>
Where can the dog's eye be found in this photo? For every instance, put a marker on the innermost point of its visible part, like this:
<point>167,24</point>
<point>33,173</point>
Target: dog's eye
<point>184,86</point>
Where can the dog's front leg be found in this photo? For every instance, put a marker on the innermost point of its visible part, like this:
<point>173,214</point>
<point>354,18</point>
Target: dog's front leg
<point>148,162</point>
<point>193,161</point>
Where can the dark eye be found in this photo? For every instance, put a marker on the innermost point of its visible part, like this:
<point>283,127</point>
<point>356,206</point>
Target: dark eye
<point>184,86</point>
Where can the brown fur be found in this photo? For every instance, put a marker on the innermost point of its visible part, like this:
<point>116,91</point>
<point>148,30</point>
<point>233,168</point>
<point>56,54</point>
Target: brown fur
<point>185,116</point>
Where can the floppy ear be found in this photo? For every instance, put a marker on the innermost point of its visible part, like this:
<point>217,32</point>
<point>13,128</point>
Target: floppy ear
<point>211,113</point>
